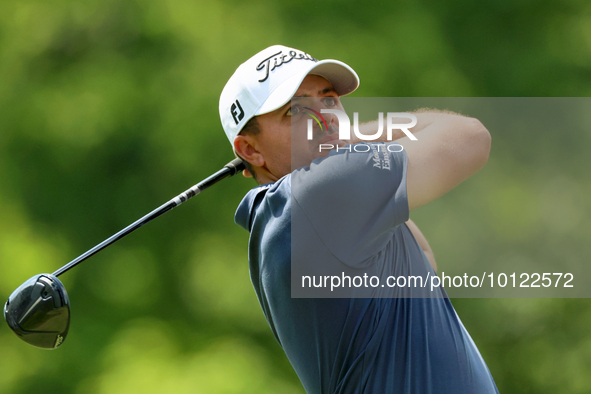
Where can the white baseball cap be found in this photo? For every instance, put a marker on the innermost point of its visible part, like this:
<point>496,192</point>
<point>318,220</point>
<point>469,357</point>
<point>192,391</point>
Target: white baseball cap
<point>269,79</point>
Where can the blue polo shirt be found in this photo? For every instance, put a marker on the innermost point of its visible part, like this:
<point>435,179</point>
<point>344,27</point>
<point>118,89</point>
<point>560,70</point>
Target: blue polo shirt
<point>349,211</point>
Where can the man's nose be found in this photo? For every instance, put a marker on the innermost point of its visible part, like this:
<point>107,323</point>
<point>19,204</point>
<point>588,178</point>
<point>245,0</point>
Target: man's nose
<point>331,119</point>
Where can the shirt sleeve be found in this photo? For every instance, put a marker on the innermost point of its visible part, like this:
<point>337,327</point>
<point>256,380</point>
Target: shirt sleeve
<point>353,199</point>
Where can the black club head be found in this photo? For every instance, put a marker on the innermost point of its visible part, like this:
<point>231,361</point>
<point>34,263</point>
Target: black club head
<point>38,311</point>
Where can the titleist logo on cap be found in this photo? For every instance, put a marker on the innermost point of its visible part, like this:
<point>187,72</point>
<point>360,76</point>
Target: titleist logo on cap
<point>279,59</point>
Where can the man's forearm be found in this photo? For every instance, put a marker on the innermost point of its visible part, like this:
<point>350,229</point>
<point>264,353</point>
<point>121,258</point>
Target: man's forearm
<point>425,117</point>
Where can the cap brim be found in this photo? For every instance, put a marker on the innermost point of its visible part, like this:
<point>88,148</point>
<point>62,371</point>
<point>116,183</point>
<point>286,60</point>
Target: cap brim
<point>342,77</point>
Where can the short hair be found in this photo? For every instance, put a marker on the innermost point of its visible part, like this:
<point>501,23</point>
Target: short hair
<point>251,127</point>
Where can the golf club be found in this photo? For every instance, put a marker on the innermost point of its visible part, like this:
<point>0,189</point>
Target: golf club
<point>38,311</point>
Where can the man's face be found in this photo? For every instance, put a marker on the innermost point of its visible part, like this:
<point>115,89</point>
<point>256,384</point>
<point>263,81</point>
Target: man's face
<point>283,133</point>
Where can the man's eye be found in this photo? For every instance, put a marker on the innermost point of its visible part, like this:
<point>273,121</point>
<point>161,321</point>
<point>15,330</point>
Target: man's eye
<point>330,101</point>
<point>293,110</point>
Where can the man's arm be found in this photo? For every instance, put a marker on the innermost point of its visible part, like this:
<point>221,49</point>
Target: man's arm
<point>449,149</point>
<point>422,241</point>
<point>425,117</point>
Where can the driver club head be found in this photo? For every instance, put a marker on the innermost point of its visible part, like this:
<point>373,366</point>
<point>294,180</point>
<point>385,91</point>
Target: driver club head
<point>38,311</point>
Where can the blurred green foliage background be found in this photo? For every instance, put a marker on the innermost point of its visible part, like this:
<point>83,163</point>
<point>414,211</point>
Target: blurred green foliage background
<point>109,108</point>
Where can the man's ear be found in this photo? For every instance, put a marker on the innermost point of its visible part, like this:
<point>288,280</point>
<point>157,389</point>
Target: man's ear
<point>245,147</point>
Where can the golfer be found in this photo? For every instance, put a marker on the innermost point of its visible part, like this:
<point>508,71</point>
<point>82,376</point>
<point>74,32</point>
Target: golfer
<point>346,210</point>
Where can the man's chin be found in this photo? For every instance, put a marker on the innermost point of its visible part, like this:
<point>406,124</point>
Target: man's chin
<point>336,142</point>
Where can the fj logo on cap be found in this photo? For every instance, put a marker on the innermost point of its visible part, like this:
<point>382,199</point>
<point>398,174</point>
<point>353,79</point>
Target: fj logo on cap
<point>278,60</point>
<point>237,115</point>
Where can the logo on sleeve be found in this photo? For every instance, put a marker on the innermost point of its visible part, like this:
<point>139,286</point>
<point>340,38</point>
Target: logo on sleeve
<point>380,161</point>
<point>235,114</point>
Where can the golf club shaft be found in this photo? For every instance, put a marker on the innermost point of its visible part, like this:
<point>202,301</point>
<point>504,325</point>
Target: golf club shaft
<point>229,169</point>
